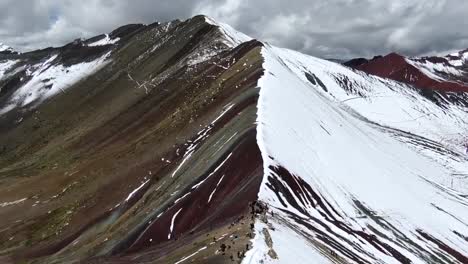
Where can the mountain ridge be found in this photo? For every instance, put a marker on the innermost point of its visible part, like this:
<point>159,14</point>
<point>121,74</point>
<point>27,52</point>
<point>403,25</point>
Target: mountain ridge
<point>189,141</point>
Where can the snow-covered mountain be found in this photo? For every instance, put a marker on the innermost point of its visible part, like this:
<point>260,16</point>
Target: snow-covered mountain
<point>190,142</point>
<point>357,168</point>
<point>445,74</point>
<point>4,49</point>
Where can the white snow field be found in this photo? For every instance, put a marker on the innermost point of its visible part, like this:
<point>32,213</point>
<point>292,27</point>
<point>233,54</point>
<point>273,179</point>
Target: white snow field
<point>358,169</point>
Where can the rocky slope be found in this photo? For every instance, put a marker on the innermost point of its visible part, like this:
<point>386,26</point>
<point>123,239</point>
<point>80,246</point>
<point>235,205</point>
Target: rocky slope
<point>189,142</point>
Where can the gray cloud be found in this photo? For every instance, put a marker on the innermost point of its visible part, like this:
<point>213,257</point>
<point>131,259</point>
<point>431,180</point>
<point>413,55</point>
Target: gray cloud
<point>332,28</point>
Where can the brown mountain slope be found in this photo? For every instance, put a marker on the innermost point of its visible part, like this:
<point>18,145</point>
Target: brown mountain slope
<point>100,170</point>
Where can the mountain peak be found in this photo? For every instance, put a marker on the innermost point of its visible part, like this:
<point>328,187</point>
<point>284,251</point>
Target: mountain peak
<point>6,49</point>
<point>438,73</point>
<point>233,36</point>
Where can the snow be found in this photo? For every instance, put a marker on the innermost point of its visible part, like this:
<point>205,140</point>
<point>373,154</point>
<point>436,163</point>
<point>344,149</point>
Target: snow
<point>456,63</point>
<point>105,41</point>
<point>213,192</point>
<point>191,255</point>
<point>4,47</point>
<point>181,198</point>
<point>290,246</point>
<point>465,57</point>
<point>172,223</point>
<point>6,66</point>
<point>225,110</point>
<point>259,250</point>
<point>135,191</point>
<point>202,56</point>
<point>233,37</point>
<point>213,172</point>
<point>457,59</point>
<point>5,204</point>
<point>201,136</point>
<point>434,70</point>
<point>186,158</point>
<point>49,79</point>
<point>400,107</point>
<point>349,147</point>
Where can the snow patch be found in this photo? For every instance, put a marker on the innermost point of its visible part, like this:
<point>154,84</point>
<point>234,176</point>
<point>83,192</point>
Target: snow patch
<point>212,173</point>
<point>213,192</point>
<point>233,37</point>
<point>4,47</point>
<point>201,136</point>
<point>434,70</point>
<point>171,228</point>
<point>135,191</point>
<point>5,204</point>
<point>49,79</point>
<point>465,57</point>
<point>202,56</point>
<point>191,255</point>
<point>105,41</point>
<point>6,66</point>
<point>288,245</point>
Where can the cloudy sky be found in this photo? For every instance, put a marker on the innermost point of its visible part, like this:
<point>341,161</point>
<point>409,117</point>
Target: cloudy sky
<point>331,28</point>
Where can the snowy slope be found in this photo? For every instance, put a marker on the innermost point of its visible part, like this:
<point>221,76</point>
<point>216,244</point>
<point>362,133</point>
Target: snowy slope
<point>439,70</point>
<point>384,102</point>
<point>354,167</point>
<point>458,59</point>
<point>47,79</point>
<point>233,37</point>
<point>4,47</point>
<point>5,67</point>
<point>230,38</point>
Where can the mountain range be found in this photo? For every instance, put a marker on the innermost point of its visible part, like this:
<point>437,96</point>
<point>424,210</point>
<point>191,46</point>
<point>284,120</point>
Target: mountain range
<point>190,142</point>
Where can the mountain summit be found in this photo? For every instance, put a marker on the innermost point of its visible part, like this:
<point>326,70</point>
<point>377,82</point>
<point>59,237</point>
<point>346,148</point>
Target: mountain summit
<point>190,142</point>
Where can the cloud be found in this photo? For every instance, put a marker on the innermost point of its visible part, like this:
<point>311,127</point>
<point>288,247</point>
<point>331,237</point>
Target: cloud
<point>31,24</point>
<point>332,28</point>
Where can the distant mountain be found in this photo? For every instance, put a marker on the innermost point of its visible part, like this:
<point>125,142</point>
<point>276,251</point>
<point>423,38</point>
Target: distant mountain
<point>449,73</point>
<point>190,142</point>
<point>4,49</point>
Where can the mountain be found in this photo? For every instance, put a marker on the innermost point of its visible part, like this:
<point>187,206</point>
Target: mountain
<point>4,49</point>
<point>190,142</point>
<point>446,74</point>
